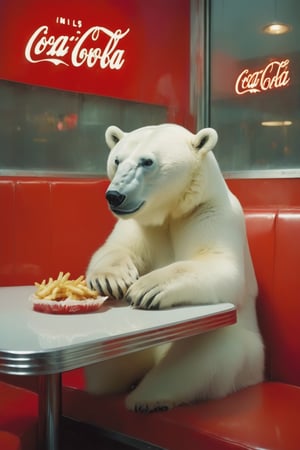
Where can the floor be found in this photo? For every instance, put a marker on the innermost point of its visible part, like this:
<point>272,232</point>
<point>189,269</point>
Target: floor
<point>77,436</point>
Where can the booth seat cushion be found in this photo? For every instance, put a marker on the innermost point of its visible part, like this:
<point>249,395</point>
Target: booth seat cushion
<point>18,415</point>
<point>275,247</point>
<point>265,416</point>
<point>261,230</point>
<point>285,313</point>
<point>9,441</point>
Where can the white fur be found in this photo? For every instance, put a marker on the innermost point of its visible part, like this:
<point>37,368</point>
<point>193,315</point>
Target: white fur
<point>180,239</point>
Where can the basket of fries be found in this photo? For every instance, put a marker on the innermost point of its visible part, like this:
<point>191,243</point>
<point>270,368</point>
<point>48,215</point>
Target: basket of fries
<point>65,296</point>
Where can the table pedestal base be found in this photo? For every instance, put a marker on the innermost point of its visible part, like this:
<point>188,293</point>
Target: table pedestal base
<point>49,411</point>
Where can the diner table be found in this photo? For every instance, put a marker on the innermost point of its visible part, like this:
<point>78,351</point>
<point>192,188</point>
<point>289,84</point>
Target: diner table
<point>34,343</point>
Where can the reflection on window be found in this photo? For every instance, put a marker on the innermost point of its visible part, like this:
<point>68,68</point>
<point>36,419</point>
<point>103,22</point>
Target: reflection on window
<point>255,77</point>
<point>46,131</point>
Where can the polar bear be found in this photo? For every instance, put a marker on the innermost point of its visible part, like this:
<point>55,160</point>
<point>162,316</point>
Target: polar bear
<point>180,239</point>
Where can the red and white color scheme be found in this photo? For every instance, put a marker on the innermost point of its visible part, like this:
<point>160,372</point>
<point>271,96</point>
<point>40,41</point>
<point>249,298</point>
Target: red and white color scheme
<point>123,50</point>
<point>67,306</point>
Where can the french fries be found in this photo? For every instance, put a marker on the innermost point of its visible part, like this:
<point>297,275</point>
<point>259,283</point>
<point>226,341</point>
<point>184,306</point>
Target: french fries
<point>63,288</point>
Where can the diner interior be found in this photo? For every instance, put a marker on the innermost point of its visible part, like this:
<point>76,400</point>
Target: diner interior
<point>243,70</point>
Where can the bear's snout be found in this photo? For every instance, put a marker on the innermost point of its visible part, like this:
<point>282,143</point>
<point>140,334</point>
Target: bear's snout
<point>114,198</point>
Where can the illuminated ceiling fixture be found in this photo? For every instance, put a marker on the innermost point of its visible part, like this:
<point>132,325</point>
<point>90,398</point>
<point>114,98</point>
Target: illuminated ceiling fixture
<point>277,28</point>
<point>277,123</point>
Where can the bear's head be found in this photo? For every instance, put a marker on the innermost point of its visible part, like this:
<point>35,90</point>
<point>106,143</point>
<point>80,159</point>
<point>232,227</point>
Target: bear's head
<point>158,172</point>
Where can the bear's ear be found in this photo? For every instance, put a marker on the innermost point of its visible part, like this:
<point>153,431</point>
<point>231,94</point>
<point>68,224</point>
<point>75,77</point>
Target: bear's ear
<point>113,135</point>
<point>205,140</point>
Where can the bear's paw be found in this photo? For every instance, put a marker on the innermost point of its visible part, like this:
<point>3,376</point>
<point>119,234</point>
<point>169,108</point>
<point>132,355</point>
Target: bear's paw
<point>114,281</point>
<point>153,394</point>
<point>155,290</point>
<point>147,405</point>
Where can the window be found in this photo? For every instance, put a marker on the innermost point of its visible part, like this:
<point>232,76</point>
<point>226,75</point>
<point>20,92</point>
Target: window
<point>51,132</point>
<point>255,79</point>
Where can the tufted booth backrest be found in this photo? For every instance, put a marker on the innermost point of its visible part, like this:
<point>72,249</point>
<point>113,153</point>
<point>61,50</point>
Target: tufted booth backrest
<point>275,247</point>
<point>52,225</point>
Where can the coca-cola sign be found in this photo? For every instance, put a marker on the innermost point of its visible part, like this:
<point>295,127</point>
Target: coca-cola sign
<point>117,49</point>
<point>274,75</point>
<point>96,46</point>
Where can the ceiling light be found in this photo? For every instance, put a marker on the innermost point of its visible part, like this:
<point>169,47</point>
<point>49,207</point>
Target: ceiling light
<point>277,123</point>
<point>277,28</point>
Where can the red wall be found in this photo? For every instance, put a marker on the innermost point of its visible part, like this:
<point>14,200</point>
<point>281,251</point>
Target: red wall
<point>149,64</point>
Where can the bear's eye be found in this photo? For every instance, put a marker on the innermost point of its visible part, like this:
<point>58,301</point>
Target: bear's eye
<point>146,162</point>
<point>117,161</point>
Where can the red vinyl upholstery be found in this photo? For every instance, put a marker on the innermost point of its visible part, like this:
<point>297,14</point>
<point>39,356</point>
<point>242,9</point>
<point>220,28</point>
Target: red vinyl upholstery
<point>284,340</point>
<point>9,441</point>
<point>49,226</point>
<point>275,247</point>
<point>18,418</point>
<point>265,416</point>
<point>53,225</point>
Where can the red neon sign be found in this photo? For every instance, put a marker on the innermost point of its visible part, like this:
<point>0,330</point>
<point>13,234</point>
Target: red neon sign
<point>273,76</point>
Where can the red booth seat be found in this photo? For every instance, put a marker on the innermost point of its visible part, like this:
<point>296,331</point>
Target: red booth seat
<point>18,418</point>
<point>265,416</point>
<point>9,441</point>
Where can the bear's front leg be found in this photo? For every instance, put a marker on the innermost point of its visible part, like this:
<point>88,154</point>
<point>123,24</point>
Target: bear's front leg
<point>158,289</point>
<point>207,281</point>
<point>117,264</point>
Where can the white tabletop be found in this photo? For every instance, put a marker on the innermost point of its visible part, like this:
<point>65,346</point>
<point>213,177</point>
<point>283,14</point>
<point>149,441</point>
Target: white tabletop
<point>38,343</point>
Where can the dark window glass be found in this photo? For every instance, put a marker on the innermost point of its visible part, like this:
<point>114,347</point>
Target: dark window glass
<point>48,132</point>
<point>255,77</point>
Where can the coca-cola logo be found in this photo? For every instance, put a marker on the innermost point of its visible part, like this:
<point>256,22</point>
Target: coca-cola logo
<point>273,76</point>
<point>95,47</point>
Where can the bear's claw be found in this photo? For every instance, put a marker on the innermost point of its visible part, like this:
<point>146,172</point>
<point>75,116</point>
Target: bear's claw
<point>108,287</point>
<point>99,287</point>
<point>139,304</point>
<point>146,409</point>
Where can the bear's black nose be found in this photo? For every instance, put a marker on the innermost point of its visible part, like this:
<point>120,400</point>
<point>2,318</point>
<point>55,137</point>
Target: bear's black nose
<point>114,198</point>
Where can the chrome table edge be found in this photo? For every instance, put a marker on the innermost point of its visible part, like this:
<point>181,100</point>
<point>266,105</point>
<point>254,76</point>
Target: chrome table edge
<point>77,355</point>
